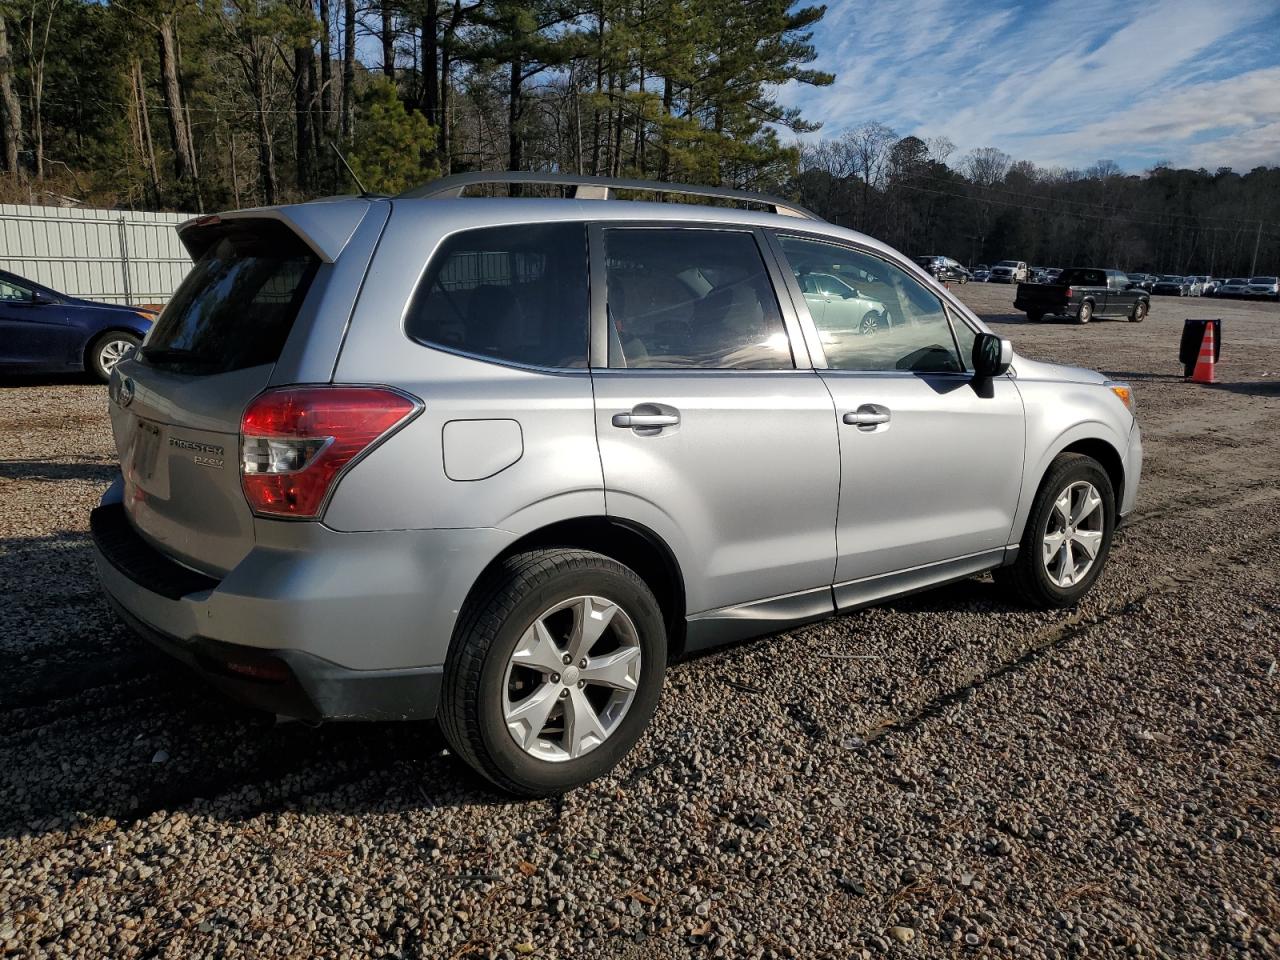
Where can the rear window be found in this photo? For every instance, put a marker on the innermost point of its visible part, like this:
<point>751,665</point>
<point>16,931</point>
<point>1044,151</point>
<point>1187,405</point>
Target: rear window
<point>1083,278</point>
<point>517,294</point>
<point>237,305</point>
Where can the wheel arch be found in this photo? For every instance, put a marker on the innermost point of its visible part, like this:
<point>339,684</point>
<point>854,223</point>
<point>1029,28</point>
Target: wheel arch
<point>1084,438</point>
<point>631,544</point>
<point>97,336</point>
<point>1108,456</point>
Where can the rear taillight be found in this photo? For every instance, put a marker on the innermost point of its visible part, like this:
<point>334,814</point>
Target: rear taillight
<point>296,441</point>
<point>1068,293</point>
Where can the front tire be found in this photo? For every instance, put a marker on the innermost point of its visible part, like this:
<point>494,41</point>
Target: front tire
<point>108,350</point>
<point>514,709</point>
<point>1068,535</point>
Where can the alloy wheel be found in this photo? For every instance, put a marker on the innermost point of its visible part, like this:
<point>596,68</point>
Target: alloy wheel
<point>572,678</point>
<point>1073,534</point>
<point>112,352</point>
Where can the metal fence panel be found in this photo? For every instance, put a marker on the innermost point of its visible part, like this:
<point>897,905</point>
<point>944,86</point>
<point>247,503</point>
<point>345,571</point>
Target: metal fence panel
<point>117,256</point>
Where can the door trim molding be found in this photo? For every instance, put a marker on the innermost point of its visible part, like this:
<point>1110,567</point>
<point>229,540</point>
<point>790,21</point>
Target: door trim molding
<point>868,590</point>
<point>713,628</point>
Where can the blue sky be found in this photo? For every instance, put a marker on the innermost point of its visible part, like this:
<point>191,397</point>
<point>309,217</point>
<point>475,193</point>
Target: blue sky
<point>1061,83</point>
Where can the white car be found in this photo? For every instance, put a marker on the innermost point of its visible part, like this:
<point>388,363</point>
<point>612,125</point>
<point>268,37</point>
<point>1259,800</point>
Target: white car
<point>1010,271</point>
<point>1267,288</point>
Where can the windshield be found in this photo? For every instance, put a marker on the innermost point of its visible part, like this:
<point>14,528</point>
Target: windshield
<point>1168,279</point>
<point>1263,281</point>
<point>1007,263</point>
<point>1237,280</point>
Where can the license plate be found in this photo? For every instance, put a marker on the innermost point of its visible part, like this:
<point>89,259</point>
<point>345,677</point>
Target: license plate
<point>146,449</point>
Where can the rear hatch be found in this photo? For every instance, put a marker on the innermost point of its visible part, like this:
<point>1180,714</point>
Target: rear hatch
<point>177,405</point>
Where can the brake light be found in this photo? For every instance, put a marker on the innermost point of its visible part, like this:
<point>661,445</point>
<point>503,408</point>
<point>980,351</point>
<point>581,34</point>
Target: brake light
<point>1068,293</point>
<point>295,442</point>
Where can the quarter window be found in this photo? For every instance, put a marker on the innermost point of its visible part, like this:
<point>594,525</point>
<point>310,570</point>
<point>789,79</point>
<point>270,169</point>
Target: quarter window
<point>691,298</point>
<point>874,316</point>
<point>516,294</point>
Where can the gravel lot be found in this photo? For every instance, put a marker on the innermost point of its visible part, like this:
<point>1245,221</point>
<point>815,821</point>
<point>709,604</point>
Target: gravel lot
<point>984,781</point>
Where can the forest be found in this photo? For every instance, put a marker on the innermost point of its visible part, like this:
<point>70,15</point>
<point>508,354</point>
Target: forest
<point>200,106</point>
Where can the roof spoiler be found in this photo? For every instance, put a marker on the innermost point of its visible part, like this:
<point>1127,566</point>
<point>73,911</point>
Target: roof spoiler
<point>600,188</point>
<point>324,226</point>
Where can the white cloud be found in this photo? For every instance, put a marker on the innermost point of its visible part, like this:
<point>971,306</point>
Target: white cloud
<point>1061,84</point>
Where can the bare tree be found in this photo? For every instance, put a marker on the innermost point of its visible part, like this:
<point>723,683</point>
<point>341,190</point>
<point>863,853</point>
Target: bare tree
<point>37,20</point>
<point>940,148</point>
<point>986,166</point>
<point>12,120</point>
<point>869,147</point>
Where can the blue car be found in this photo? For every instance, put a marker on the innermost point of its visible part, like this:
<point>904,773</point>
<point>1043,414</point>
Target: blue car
<point>43,331</point>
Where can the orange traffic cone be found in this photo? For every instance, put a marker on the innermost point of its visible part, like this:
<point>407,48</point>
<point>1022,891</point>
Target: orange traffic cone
<point>1204,371</point>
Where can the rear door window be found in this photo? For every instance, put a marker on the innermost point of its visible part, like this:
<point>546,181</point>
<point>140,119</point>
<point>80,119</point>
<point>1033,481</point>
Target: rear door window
<point>515,294</point>
<point>691,298</point>
<point>237,305</point>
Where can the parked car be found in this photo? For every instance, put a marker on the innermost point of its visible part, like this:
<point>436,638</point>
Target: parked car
<point>44,331</point>
<point>1263,288</point>
<point>1084,293</point>
<point>982,273</point>
<point>944,269</point>
<point>841,305</point>
<point>1052,274</point>
<point>1234,288</point>
<point>1169,285</point>
<point>489,489</point>
<point>1143,281</point>
<point>1209,286</point>
<point>1010,271</point>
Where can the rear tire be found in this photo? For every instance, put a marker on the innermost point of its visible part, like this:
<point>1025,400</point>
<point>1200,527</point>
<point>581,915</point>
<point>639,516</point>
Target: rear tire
<point>107,350</point>
<point>1086,313</point>
<point>1035,316</point>
<point>487,685</point>
<point>1036,579</point>
<point>1139,312</point>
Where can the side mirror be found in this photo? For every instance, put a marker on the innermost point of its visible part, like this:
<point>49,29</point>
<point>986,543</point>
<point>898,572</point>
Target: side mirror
<point>992,355</point>
<point>38,298</point>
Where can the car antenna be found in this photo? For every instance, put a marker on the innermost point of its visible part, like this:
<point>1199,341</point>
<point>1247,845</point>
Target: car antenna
<point>363,191</point>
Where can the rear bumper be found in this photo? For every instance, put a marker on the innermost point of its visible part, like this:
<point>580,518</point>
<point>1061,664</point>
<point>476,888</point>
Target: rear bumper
<point>311,623</point>
<point>296,684</point>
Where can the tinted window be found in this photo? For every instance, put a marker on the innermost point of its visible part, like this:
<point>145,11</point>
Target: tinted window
<point>516,293</point>
<point>691,298</point>
<point>886,321</point>
<point>1083,278</point>
<point>236,306</point>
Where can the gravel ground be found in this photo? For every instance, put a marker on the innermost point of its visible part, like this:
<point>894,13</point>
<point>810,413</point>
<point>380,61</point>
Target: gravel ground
<point>990,782</point>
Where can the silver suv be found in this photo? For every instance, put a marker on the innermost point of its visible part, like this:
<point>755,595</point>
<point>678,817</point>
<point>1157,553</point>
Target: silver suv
<point>498,460</point>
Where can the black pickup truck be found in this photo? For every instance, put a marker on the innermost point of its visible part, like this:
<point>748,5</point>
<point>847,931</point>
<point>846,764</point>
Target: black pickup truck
<point>1083,293</point>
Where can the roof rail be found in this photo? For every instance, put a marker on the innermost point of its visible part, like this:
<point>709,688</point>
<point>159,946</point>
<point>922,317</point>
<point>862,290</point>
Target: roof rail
<point>599,188</point>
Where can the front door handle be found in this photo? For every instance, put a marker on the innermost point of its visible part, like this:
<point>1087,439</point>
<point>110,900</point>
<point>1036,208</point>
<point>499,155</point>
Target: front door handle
<point>645,421</point>
<point>868,416</point>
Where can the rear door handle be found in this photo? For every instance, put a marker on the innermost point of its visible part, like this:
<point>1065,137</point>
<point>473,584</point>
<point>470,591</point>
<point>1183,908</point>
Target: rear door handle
<point>645,421</point>
<point>868,416</point>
